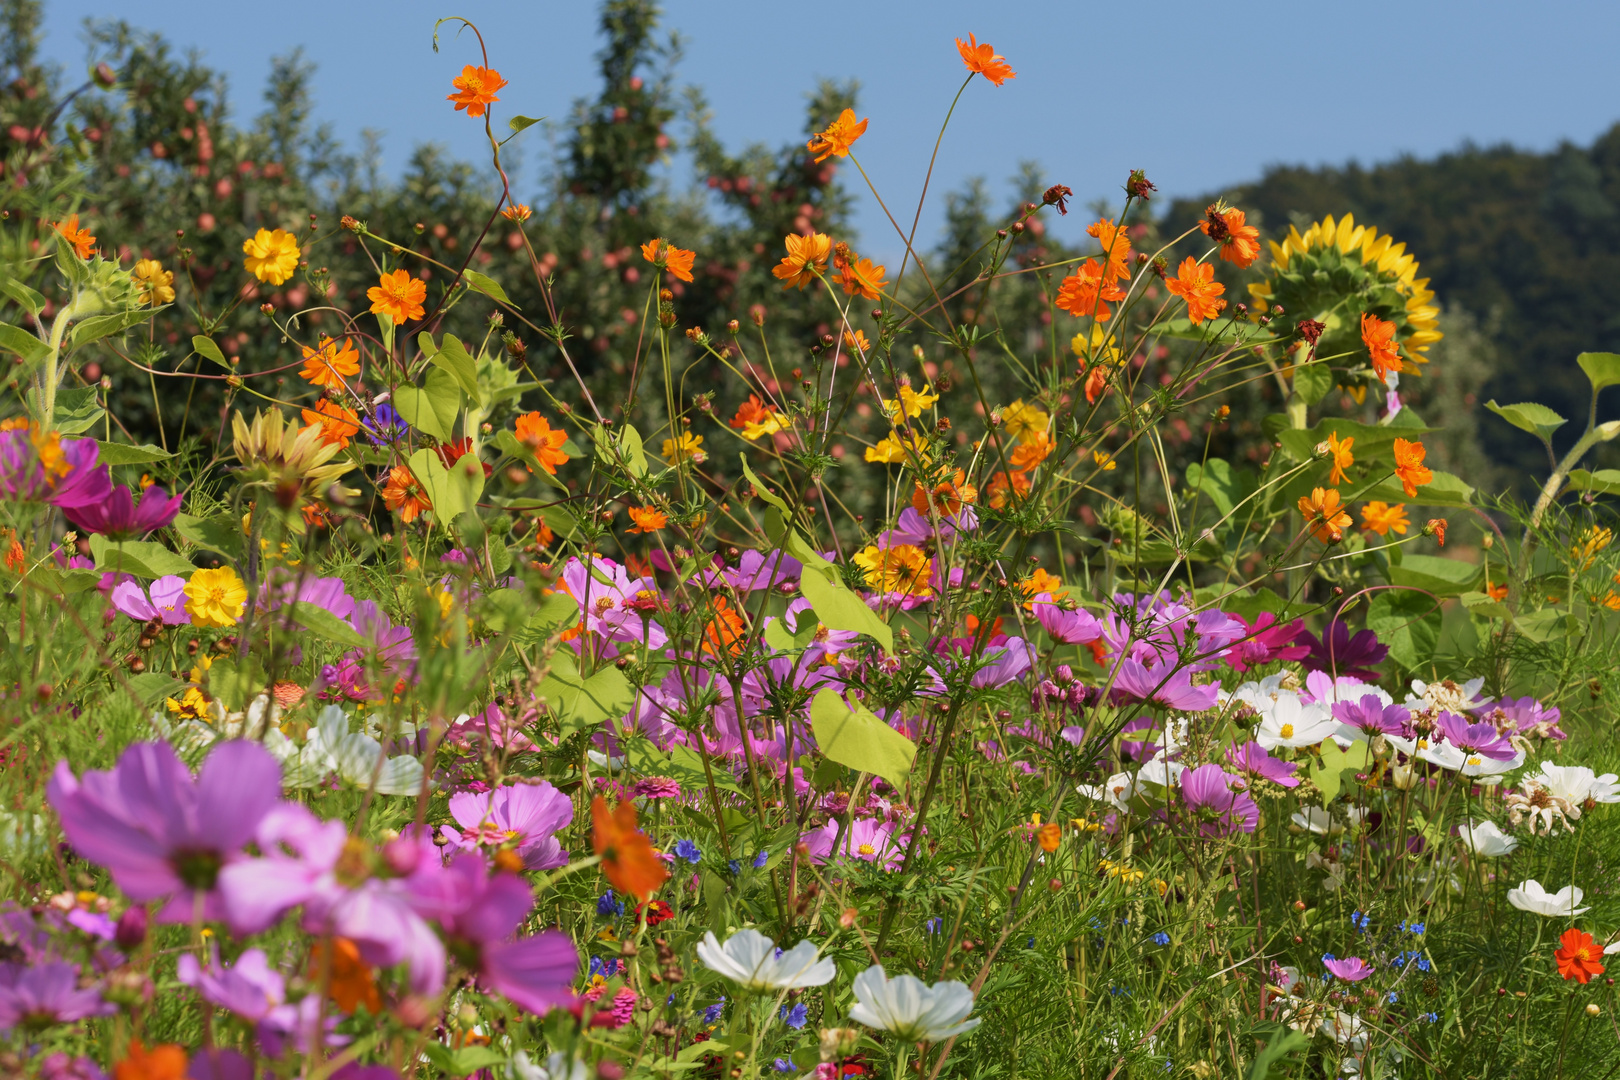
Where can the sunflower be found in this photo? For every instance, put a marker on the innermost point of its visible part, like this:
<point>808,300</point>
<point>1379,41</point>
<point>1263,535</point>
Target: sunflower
<point>1336,272</point>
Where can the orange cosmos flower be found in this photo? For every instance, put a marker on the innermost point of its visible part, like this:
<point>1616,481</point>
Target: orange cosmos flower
<point>1499,592</point>
<point>166,1062</point>
<point>858,277</point>
<point>1339,453</point>
<point>544,441</point>
<point>84,245</point>
<point>516,212</point>
<point>1038,582</point>
<point>352,981</point>
<point>1116,247</point>
<point>806,258</point>
<point>338,424</point>
<point>1050,836</point>
<point>1035,448</point>
<point>1578,956</point>
<point>666,256</point>
<point>983,60</point>
<point>1196,284</point>
<point>1240,243</point>
<point>856,341</point>
<point>755,418</point>
<point>838,138</point>
<point>329,363</point>
<point>1436,528</point>
<point>1082,293</point>
<point>1007,487</point>
<point>628,858</point>
<point>16,557</point>
<point>1096,384</point>
<point>1383,519</point>
<point>1379,337</point>
<point>398,296</point>
<point>1324,515</point>
<point>404,494</point>
<point>726,630</point>
<point>1409,467</point>
<point>475,89</point>
<point>647,519</point>
<point>947,497</point>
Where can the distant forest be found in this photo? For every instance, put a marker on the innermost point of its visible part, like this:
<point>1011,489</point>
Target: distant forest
<point>1527,244</point>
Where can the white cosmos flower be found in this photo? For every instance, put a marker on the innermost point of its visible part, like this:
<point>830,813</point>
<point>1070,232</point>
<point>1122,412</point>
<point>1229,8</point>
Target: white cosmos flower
<point>557,1067</point>
<point>1161,771</point>
<point>1259,696</point>
<point>1290,722</point>
<point>1317,820</point>
<point>1576,783</point>
<point>910,1009</point>
<point>355,757</point>
<point>1487,840</point>
<point>751,960</point>
<point>1531,897</point>
<point>1114,791</point>
<point>1446,694</point>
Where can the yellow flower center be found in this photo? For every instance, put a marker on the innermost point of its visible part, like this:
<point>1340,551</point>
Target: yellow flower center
<point>866,849</point>
<point>1288,731</point>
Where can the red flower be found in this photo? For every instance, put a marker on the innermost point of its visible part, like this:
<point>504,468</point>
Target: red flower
<point>1578,956</point>
<point>656,911</point>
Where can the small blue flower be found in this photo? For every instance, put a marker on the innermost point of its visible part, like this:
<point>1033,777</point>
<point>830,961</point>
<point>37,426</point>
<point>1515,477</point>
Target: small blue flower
<point>1431,1017</point>
<point>1417,927</point>
<point>784,1065</point>
<point>1328,956</point>
<point>794,1016</point>
<point>1161,938</point>
<point>1393,997</point>
<point>734,866</point>
<point>1118,990</point>
<point>1360,921</point>
<point>687,850</point>
<point>933,925</point>
<point>1423,963</point>
<point>608,905</point>
<point>759,860</point>
<point>711,1015</point>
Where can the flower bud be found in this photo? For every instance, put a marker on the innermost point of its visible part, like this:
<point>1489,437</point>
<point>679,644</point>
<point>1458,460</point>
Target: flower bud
<point>131,928</point>
<point>838,1043</point>
<point>1401,776</point>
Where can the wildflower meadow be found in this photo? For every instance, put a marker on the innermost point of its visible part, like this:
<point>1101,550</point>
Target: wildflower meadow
<point>430,649</point>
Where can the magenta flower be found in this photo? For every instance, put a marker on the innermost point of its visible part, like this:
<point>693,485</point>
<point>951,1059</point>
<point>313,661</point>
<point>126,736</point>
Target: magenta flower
<point>338,882</point>
<point>1135,681</point>
<point>284,587</point>
<point>868,839</point>
<point>250,988</point>
<point>119,517</point>
<point>1337,653</point>
<point>165,600</point>
<point>159,832</point>
<point>480,914</point>
<point>72,479</point>
<point>46,994</point>
<point>1004,663</point>
<point>1478,738</point>
<point>1266,642</point>
<point>616,606</point>
<point>1071,626</point>
<point>1218,801</point>
<point>522,815</point>
<point>1350,969</point>
<point>1523,715</point>
<point>657,787</point>
<point>1252,760</point>
<point>1370,717</point>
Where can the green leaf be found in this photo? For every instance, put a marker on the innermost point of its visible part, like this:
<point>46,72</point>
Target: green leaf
<point>205,348</point>
<point>519,123</point>
<point>1543,625</point>
<point>1312,382</point>
<point>125,454</point>
<point>454,358</point>
<point>1219,484</point>
<point>451,490</point>
<point>581,702</point>
<point>14,339</point>
<point>27,298</point>
<point>760,489</point>
<point>1284,1041</point>
<point>1408,622</point>
<point>77,410</point>
<point>1602,368</point>
<point>1436,574</point>
<point>835,606</point>
<point>1446,489</point>
<point>1603,481</point>
<point>486,285</point>
<point>431,409</point>
<point>153,686</point>
<point>857,738</point>
<point>1329,773</point>
<point>142,558</point>
<point>317,619</point>
<point>221,534</point>
<point>1530,416</point>
<point>623,445</point>
<point>99,326</point>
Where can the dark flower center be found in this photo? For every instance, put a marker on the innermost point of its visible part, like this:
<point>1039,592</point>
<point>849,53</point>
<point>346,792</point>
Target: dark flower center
<point>197,869</point>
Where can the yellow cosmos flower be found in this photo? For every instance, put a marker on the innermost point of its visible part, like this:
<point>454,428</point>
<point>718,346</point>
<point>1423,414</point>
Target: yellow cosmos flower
<point>153,284</point>
<point>899,449</point>
<point>689,448</point>
<point>902,568</point>
<point>215,597</point>
<point>1101,347</point>
<point>272,256</point>
<point>912,403</point>
<point>1021,421</point>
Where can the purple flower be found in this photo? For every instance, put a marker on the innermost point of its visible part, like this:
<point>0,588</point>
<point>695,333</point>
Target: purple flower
<point>1071,626</point>
<point>1004,663</point>
<point>384,425</point>
<point>1350,969</point>
<point>657,787</point>
<point>316,864</point>
<point>1337,653</point>
<point>59,1066</point>
<point>1480,738</point>
<point>1523,715</point>
<point>118,516</point>
<point>616,606</point>
<point>1370,717</point>
<point>165,599</point>
<point>159,832</point>
<point>250,988</point>
<point>1134,681</point>
<point>282,587</point>
<point>1219,803</point>
<point>867,839</point>
<point>48,468</point>
<point>754,571</point>
<point>214,1063</point>
<point>1251,758</point>
<point>1265,642</point>
<point>522,815</point>
<point>46,994</point>
<point>480,914</point>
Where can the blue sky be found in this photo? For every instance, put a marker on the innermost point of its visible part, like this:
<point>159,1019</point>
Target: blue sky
<point>1199,95</point>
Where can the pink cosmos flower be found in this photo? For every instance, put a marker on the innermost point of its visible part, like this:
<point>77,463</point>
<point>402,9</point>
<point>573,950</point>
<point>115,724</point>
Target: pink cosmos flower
<point>1350,969</point>
<point>1370,717</point>
<point>165,599</point>
<point>1218,801</point>
<point>1174,689</point>
<point>868,839</point>
<point>46,994</point>
<point>522,815</point>
<point>1071,626</point>
<point>120,518</point>
<point>159,832</point>
<point>1265,642</point>
<point>1251,758</point>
